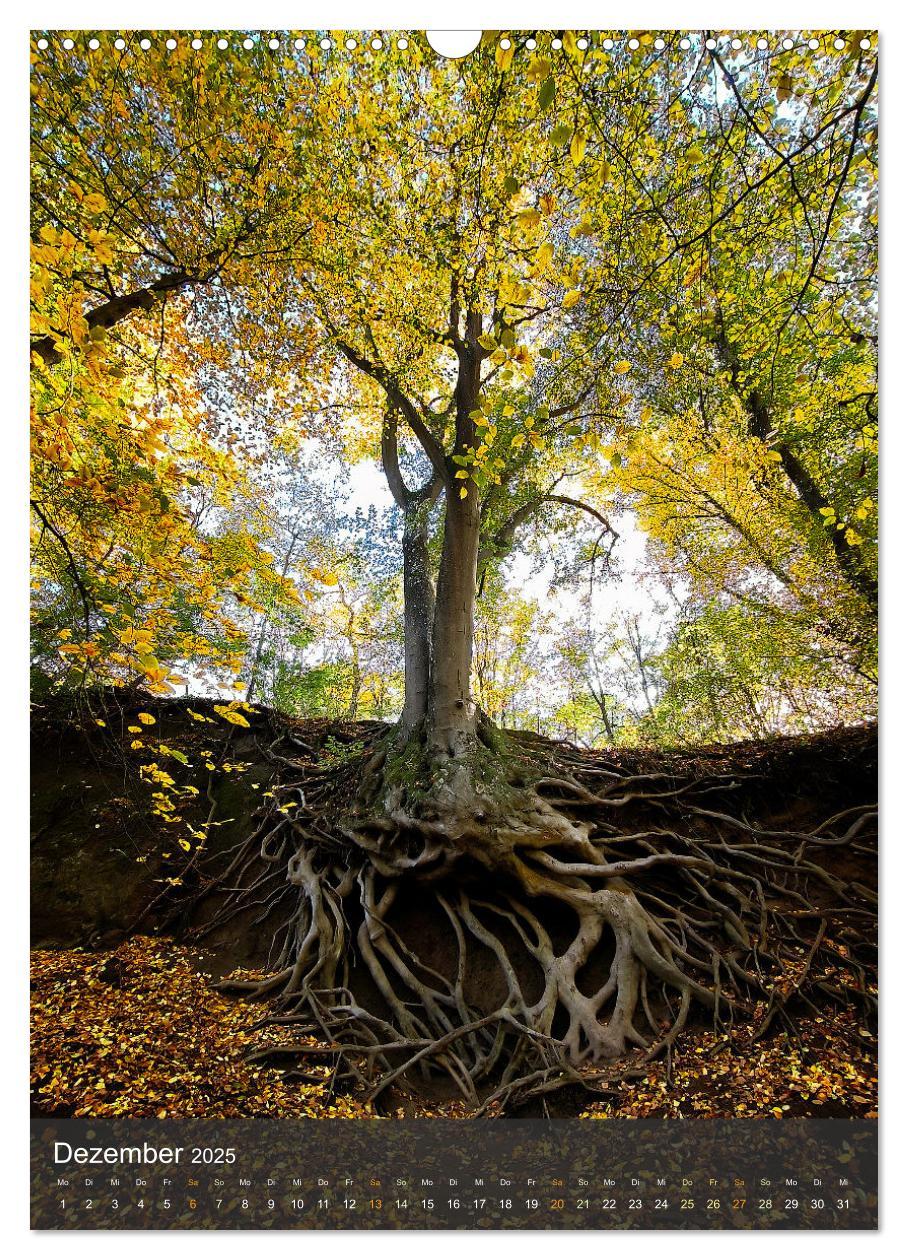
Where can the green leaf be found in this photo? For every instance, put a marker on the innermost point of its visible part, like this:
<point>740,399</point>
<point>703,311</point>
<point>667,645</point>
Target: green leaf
<point>547,93</point>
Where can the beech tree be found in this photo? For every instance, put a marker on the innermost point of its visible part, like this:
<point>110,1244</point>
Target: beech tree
<point>538,286</point>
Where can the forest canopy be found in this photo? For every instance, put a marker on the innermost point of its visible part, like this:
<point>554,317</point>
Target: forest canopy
<point>602,318</point>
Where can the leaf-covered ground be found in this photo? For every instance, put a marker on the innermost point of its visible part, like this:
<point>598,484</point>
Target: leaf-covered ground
<point>828,1069</point>
<point>141,1031</point>
<point>822,1062</point>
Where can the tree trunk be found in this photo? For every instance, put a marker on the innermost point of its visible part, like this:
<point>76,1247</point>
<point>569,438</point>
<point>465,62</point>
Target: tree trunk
<point>452,713</point>
<point>437,674</point>
<point>419,608</point>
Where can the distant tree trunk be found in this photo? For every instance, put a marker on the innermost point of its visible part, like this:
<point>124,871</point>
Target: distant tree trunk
<point>356,686</point>
<point>255,667</point>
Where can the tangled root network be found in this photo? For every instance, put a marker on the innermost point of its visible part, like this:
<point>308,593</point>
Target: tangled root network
<point>558,925</point>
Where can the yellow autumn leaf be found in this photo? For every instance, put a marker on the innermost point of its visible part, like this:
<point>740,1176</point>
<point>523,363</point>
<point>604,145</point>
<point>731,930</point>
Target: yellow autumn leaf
<point>146,719</point>
<point>578,147</point>
<point>539,69</point>
<point>622,366</point>
<point>544,255</point>
<point>230,715</point>
<point>571,298</point>
<point>504,56</point>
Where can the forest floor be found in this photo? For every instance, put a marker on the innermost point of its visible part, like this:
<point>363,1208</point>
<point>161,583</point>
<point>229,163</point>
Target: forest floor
<point>127,1020</point>
<point>141,1031</point>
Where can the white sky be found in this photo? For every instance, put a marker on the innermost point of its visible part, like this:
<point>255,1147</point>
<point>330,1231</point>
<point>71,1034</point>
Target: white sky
<point>623,592</point>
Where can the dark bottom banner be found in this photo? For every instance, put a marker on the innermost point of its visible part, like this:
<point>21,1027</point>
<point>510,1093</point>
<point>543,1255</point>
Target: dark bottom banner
<point>439,1174</point>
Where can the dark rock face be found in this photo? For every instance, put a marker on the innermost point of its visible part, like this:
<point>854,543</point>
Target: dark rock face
<point>100,857</point>
<point>86,881</point>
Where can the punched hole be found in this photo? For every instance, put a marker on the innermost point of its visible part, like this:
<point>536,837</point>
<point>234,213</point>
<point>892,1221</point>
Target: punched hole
<point>454,44</point>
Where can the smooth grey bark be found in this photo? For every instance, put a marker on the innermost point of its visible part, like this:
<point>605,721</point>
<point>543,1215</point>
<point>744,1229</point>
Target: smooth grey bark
<point>419,591</point>
<point>419,610</point>
<point>452,712</point>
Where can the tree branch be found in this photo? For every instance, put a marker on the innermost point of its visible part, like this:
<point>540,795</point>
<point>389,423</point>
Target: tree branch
<point>402,403</point>
<point>502,540</point>
<point>111,312</point>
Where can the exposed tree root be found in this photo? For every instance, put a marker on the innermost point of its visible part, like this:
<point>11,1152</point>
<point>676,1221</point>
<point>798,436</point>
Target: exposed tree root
<point>572,938</point>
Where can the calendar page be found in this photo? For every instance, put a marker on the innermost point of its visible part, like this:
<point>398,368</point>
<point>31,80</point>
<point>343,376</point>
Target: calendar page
<point>454,629</point>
